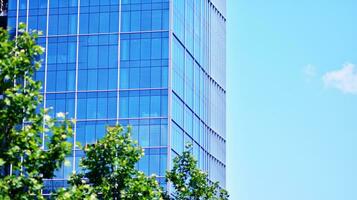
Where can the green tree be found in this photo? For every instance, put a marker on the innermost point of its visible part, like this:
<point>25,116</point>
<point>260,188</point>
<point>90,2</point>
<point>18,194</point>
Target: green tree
<point>109,168</point>
<point>79,189</point>
<point>190,183</point>
<point>24,158</point>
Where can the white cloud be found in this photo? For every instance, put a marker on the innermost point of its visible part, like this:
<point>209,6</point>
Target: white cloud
<point>344,79</point>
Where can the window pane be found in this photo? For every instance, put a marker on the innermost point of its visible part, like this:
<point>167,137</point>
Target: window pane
<point>144,135</point>
<point>133,106</point>
<point>92,79</point>
<point>144,106</point>
<point>156,20</point>
<point>91,108</point>
<point>135,21</point>
<point>102,108</point>
<point>155,135</point>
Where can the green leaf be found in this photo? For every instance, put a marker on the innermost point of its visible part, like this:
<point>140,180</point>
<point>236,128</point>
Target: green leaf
<point>20,147</point>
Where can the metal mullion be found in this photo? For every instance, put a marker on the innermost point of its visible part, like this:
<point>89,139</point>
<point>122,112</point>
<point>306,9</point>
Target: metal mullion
<point>17,17</point>
<point>118,74</point>
<point>169,96</point>
<point>46,66</point>
<point>27,14</point>
<point>76,90</point>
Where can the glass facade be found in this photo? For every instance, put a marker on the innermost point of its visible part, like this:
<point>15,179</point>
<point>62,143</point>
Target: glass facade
<point>157,65</point>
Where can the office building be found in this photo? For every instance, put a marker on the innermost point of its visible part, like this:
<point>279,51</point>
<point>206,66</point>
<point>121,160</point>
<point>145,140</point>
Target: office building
<point>157,65</point>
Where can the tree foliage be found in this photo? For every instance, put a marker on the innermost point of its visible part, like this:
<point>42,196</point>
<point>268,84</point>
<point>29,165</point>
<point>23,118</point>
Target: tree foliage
<point>25,160</point>
<point>79,189</point>
<point>109,167</point>
<point>190,183</point>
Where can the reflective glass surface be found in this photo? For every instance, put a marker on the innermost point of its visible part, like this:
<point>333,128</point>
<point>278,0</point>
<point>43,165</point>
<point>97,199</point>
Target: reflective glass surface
<point>198,83</point>
<point>157,65</point>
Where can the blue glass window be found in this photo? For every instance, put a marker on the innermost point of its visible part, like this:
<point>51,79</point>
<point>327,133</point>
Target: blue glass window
<point>179,16</point>
<point>125,25</point>
<point>92,79</point>
<point>12,5</point>
<point>156,48</point>
<point>177,138</point>
<point>144,103</point>
<point>61,103</point>
<point>135,20</point>
<point>133,104</point>
<point>134,49</point>
<point>155,105</point>
<point>98,62</point>
<point>145,77</point>
<point>102,108</point>
<point>144,164</point>
<point>155,132</point>
<point>188,121</point>
<point>156,20</point>
<point>144,135</point>
<point>97,105</point>
<point>134,77</point>
<point>146,20</point>
<point>124,104</point>
<point>163,164</point>
<point>154,164</point>
<point>99,16</point>
<point>145,49</point>
<point>177,110</point>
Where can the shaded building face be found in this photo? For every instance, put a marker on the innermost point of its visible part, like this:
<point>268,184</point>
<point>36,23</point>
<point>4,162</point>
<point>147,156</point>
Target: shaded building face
<point>157,65</point>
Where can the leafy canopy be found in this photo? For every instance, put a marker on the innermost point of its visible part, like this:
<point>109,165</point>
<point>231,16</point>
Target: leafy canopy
<point>109,168</point>
<point>190,183</point>
<point>25,159</point>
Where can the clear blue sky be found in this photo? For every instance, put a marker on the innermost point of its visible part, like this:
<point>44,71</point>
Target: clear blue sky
<point>292,99</point>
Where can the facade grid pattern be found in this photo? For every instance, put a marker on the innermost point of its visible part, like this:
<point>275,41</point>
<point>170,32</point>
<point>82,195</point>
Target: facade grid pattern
<point>144,63</point>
